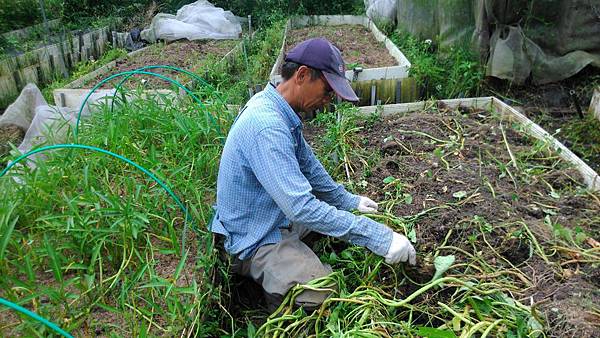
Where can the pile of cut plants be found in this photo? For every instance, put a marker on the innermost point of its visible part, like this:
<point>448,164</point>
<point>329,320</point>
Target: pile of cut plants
<point>506,231</point>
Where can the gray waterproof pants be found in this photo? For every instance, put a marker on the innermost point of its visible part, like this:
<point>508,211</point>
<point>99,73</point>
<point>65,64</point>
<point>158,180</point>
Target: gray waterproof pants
<point>279,267</point>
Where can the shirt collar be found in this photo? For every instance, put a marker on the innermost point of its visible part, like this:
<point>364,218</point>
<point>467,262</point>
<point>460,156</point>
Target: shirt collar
<point>289,115</point>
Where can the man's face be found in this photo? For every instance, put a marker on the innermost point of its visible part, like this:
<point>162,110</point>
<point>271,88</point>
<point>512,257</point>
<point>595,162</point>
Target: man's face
<point>313,93</point>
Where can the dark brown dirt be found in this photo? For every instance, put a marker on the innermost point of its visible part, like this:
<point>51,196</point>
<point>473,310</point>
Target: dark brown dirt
<point>10,134</point>
<point>99,322</point>
<point>565,299</point>
<point>41,303</point>
<point>188,55</point>
<point>357,44</point>
<point>166,264</point>
<point>8,320</point>
<point>554,106</point>
<point>472,217</point>
<point>102,323</point>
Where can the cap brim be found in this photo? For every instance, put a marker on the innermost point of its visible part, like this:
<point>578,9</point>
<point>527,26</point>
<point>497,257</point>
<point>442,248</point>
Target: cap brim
<point>341,86</point>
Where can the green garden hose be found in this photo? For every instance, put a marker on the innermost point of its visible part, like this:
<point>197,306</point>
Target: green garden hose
<point>75,131</point>
<point>193,75</point>
<point>35,316</point>
<point>82,146</point>
<point>103,151</point>
<point>122,158</point>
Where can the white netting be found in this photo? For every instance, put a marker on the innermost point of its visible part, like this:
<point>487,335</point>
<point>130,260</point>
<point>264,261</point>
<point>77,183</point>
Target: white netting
<point>546,41</point>
<point>196,21</point>
<point>384,10</point>
<point>41,123</point>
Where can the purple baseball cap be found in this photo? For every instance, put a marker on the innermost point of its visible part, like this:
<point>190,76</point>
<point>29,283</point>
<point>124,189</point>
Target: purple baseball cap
<point>319,53</point>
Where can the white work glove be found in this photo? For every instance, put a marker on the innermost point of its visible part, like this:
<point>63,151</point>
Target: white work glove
<point>366,205</point>
<point>401,251</point>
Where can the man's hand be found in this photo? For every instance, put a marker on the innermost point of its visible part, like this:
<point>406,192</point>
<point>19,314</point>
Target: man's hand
<point>401,251</point>
<point>366,205</point>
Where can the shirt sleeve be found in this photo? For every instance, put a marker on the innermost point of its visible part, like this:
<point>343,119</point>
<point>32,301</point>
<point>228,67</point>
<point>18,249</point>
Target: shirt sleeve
<point>324,187</point>
<point>273,161</point>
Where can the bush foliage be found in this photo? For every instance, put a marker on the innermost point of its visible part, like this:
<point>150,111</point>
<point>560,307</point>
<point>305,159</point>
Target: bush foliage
<point>16,14</point>
<point>266,11</point>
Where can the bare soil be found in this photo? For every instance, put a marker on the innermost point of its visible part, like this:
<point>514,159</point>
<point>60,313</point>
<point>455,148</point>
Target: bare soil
<point>10,133</point>
<point>102,323</point>
<point>8,320</point>
<point>98,322</point>
<point>188,55</point>
<point>356,43</point>
<point>555,107</point>
<point>486,222</point>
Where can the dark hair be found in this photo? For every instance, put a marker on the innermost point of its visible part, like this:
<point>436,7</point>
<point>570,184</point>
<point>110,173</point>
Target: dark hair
<point>289,68</point>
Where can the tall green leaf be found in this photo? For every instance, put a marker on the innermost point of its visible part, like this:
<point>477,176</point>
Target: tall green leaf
<point>7,226</point>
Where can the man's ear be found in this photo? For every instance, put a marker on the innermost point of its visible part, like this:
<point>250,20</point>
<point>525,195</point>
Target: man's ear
<point>302,74</point>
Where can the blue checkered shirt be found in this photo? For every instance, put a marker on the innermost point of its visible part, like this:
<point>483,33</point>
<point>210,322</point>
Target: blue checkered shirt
<point>269,177</point>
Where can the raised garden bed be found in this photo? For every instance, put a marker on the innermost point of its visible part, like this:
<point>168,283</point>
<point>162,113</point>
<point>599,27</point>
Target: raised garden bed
<point>567,114</point>
<point>189,55</point>
<point>355,42</point>
<point>377,68</point>
<point>475,180</point>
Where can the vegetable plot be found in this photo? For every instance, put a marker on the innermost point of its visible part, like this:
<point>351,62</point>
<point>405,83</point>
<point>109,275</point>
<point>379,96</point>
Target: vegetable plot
<point>506,231</point>
<point>189,55</point>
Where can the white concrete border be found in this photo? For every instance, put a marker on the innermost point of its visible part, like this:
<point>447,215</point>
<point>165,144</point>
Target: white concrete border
<point>590,177</point>
<point>393,72</point>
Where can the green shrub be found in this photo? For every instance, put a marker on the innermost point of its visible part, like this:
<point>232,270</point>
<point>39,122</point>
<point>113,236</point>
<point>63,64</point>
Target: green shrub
<point>441,74</point>
<point>17,14</point>
<point>266,11</point>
